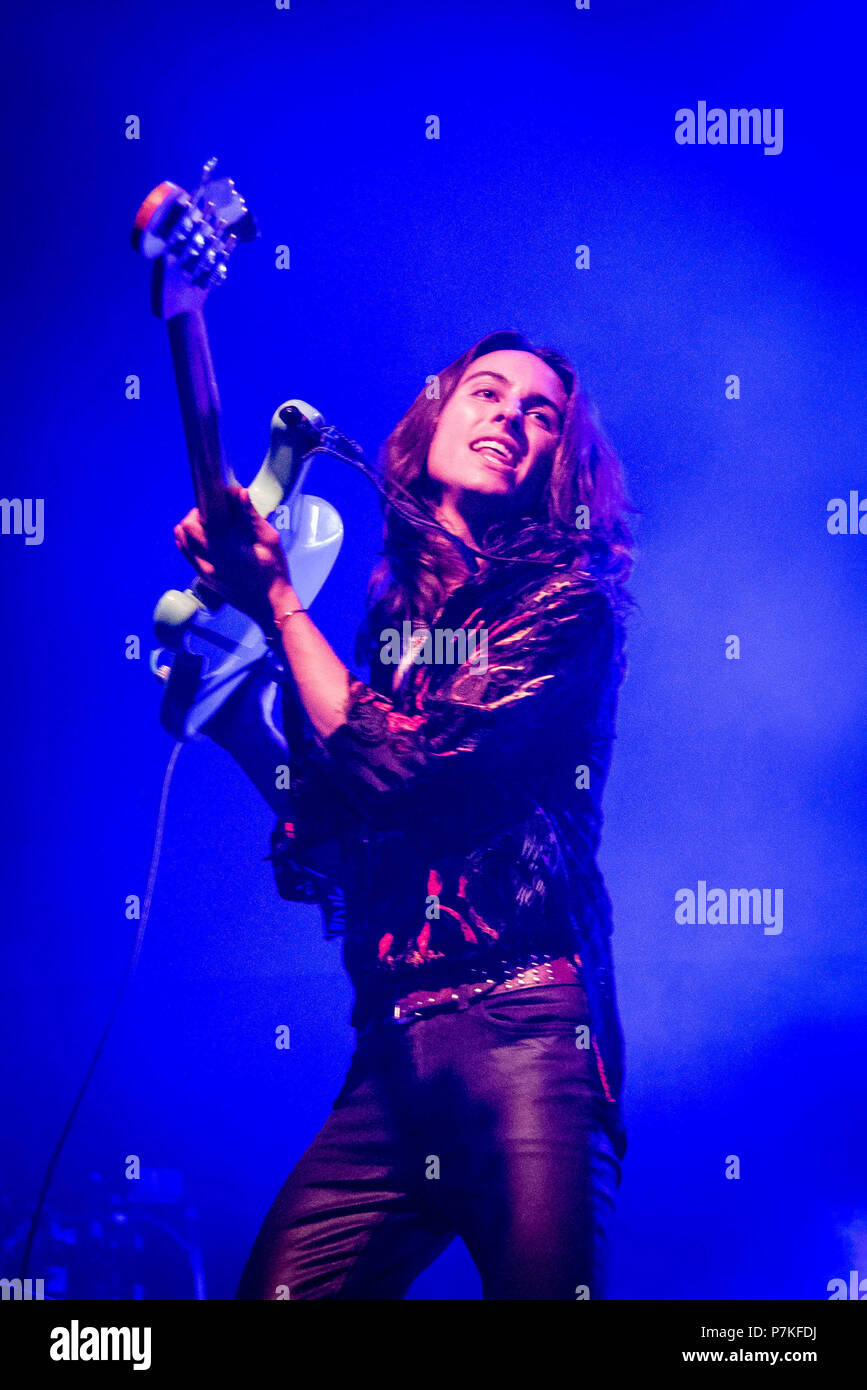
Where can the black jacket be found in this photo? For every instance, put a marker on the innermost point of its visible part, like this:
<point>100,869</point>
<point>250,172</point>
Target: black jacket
<point>441,828</point>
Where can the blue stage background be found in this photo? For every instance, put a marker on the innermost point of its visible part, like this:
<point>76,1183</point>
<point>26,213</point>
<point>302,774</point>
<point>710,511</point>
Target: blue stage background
<point>557,130</point>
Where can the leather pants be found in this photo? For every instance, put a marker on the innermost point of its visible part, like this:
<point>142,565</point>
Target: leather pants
<point>486,1123</point>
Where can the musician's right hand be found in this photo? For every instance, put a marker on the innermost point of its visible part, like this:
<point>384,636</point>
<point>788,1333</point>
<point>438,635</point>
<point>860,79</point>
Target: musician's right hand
<point>242,563</point>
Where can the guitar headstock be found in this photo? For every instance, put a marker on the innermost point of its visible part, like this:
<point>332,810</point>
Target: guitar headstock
<point>190,236</point>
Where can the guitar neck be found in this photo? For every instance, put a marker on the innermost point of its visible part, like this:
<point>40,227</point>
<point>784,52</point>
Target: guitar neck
<point>200,410</point>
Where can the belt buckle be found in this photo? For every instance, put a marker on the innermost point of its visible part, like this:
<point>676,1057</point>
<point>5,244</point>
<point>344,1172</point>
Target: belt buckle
<point>401,1014</point>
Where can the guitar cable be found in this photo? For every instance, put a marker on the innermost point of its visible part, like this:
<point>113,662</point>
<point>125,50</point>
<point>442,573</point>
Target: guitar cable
<point>415,512</point>
<point>336,445</point>
<point>131,967</point>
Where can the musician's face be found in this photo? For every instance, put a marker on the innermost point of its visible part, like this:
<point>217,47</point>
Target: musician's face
<point>512,399</point>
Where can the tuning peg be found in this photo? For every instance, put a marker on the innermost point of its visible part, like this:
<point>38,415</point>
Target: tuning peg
<point>246,229</point>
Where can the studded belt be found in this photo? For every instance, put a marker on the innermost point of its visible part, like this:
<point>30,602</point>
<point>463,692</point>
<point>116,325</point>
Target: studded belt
<point>541,970</point>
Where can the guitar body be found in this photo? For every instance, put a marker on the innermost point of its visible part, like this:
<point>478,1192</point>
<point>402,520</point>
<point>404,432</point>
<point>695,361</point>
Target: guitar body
<point>209,647</point>
<point>207,653</point>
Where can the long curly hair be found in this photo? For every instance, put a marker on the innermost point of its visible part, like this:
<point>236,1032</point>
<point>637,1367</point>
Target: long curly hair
<point>418,566</point>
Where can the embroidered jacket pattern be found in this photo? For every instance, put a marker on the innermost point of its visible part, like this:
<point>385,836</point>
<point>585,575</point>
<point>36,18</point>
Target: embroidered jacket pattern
<point>446,828</point>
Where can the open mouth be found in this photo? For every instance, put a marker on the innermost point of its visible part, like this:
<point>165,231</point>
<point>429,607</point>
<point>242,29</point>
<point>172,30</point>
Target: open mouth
<point>494,453</point>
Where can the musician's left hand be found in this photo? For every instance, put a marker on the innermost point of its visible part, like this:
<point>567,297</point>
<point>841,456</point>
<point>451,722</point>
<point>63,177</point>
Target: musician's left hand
<point>244,562</point>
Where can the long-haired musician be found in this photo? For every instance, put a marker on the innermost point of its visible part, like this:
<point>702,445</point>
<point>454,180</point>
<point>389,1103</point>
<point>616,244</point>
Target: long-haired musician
<point>445,811</point>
